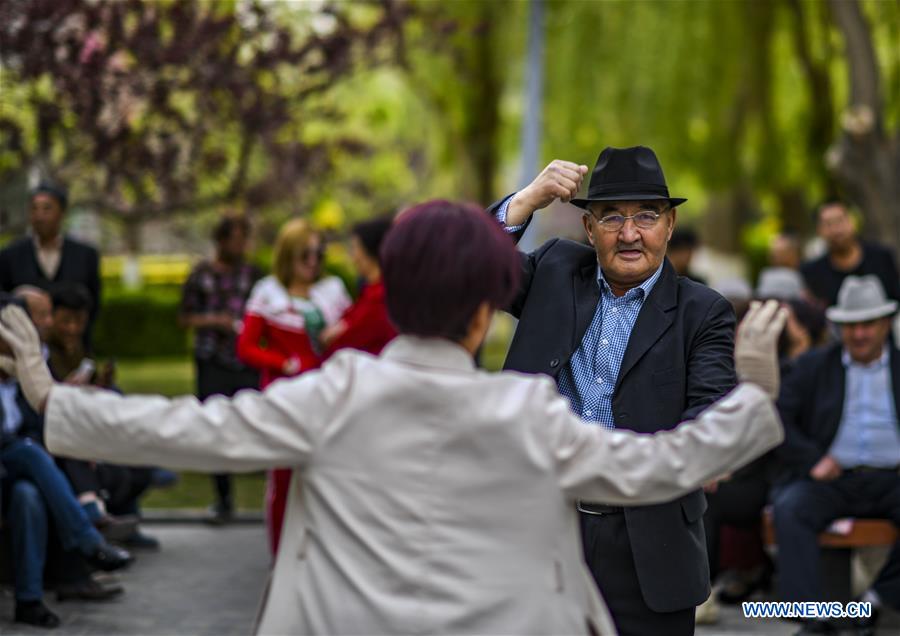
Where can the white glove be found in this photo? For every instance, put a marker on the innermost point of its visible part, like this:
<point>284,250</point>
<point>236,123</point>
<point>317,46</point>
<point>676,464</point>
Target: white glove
<point>756,349</point>
<point>30,368</point>
<point>8,366</point>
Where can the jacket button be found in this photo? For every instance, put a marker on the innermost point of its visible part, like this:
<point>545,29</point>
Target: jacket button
<point>554,363</point>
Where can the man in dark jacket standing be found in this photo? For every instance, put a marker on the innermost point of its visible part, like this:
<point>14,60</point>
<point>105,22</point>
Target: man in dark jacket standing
<point>632,345</point>
<point>46,256</point>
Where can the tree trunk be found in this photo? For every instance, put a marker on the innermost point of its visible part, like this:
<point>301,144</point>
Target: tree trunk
<point>865,160</point>
<point>484,121</point>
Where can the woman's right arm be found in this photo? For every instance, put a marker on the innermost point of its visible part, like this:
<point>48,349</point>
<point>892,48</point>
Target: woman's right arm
<point>249,350</point>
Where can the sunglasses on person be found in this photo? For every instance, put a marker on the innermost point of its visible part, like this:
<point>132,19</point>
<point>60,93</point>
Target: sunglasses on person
<point>307,253</point>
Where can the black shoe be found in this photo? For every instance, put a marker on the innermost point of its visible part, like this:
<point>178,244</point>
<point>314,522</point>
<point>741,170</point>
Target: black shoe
<point>140,541</point>
<point>37,614</point>
<point>117,528</point>
<point>109,557</point>
<point>817,627</point>
<point>87,590</point>
<point>740,586</point>
<point>220,514</point>
<point>866,626</point>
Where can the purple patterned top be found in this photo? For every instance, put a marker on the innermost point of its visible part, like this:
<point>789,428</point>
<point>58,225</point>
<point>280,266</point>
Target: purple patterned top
<point>211,290</point>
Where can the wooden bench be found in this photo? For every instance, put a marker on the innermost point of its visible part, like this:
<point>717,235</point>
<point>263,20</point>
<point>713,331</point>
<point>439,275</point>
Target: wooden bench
<point>840,539</point>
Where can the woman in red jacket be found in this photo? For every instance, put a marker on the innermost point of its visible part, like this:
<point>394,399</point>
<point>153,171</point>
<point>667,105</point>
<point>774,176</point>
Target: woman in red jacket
<point>283,319</point>
<point>365,325</point>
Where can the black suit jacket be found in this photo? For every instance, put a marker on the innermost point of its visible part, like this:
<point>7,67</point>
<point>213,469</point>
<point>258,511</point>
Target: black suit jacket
<point>811,404</point>
<point>79,263</point>
<point>679,359</point>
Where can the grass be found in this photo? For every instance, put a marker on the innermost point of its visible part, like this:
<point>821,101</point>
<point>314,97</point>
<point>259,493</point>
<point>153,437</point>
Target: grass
<point>195,490</point>
<point>166,376</point>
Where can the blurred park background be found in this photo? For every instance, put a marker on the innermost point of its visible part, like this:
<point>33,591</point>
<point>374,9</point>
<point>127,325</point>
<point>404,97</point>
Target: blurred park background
<point>161,115</point>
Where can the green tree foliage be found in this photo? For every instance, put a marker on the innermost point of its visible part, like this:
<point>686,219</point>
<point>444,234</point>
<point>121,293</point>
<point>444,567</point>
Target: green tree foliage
<point>155,108</point>
<point>741,99</point>
<point>347,109</point>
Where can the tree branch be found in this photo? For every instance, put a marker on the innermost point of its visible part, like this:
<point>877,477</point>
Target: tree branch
<point>863,66</point>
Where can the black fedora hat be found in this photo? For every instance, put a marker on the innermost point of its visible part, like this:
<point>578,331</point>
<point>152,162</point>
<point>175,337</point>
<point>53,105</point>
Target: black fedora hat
<point>627,174</point>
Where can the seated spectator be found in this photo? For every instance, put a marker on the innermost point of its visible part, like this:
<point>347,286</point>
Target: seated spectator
<point>47,257</point>
<point>365,324</point>
<point>841,451</point>
<point>784,251</point>
<point>40,308</point>
<point>847,255</point>
<point>805,329</point>
<point>26,516</point>
<point>780,283</point>
<point>38,487</point>
<point>682,245</point>
<point>735,504</point>
<point>68,361</point>
<point>736,291</point>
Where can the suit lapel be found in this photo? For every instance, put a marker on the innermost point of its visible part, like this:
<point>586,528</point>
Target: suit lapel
<point>586,291</point>
<point>64,257</point>
<point>839,381</point>
<point>656,316</point>
<point>895,377</point>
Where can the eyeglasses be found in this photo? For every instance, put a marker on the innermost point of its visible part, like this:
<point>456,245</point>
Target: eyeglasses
<point>645,220</point>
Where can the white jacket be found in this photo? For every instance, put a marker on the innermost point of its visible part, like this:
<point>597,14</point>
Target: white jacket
<point>430,497</point>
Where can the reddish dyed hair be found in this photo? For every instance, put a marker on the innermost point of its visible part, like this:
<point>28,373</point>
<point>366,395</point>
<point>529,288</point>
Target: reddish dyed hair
<point>440,261</point>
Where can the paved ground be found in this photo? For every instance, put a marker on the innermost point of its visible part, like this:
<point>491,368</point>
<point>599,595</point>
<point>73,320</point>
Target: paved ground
<point>208,581</point>
<point>204,581</point>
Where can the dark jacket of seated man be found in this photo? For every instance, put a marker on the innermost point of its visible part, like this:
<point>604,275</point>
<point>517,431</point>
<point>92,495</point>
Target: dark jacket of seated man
<point>811,405</point>
<point>839,459</point>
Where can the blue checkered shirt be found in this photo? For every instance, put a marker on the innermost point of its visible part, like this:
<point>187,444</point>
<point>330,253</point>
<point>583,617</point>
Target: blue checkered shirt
<point>589,379</point>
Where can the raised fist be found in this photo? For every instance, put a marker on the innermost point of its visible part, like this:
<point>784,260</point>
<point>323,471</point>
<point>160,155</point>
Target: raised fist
<point>559,180</point>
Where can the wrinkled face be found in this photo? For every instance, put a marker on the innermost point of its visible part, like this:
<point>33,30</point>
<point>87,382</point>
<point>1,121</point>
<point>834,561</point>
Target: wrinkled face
<point>69,326</point>
<point>307,261</point>
<point>864,341</point>
<point>835,226</point>
<point>45,216</point>
<point>234,248</point>
<point>629,255</point>
<point>40,308</point>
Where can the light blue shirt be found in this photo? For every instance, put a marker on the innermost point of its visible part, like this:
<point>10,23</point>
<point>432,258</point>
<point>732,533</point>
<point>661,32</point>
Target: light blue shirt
<point>501,216</point>
<point>589,379</point>
<point>12,416</point>
<point>868,434</point>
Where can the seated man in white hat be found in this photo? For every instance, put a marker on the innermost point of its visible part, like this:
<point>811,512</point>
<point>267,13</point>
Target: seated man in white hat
<point>841,452</point>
